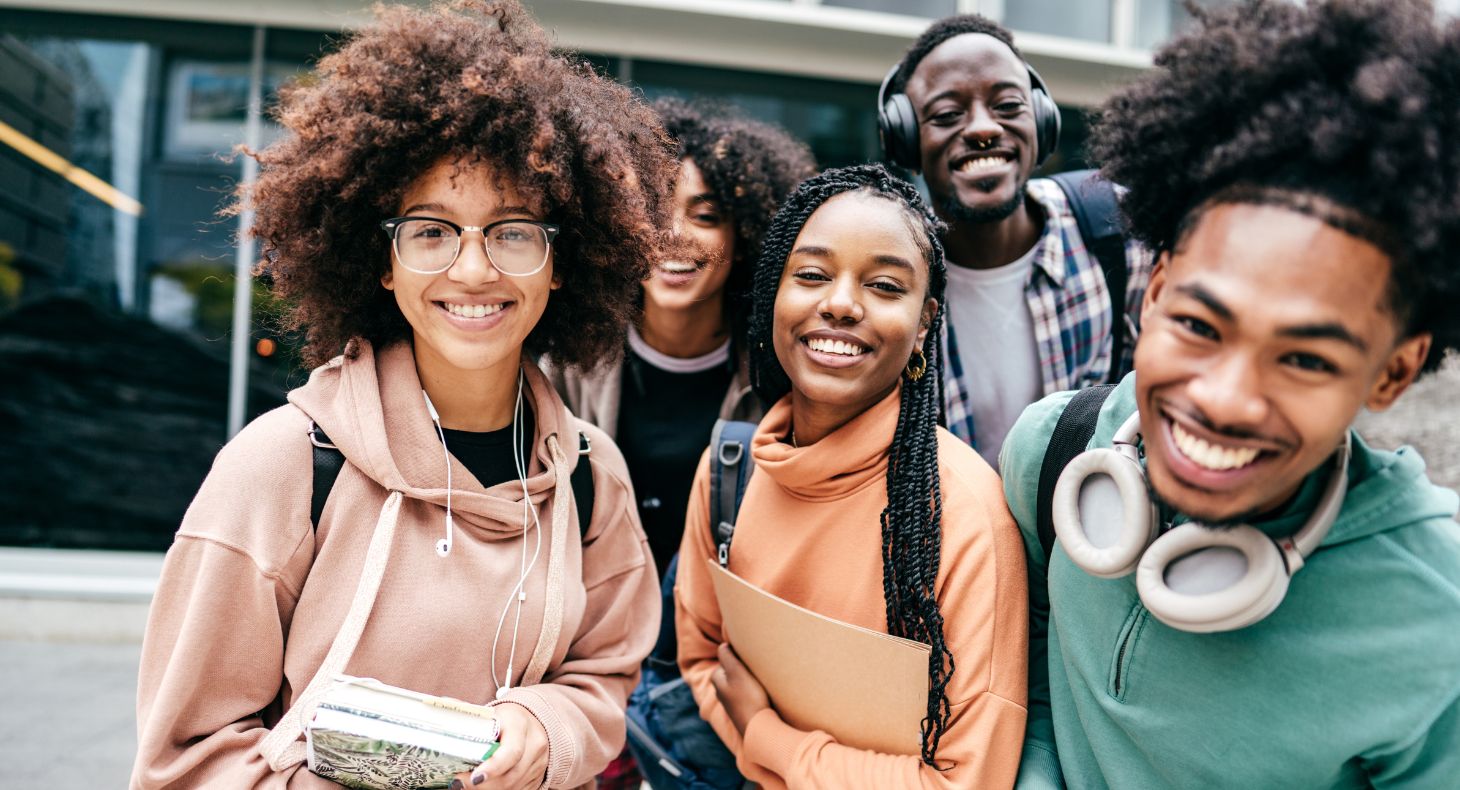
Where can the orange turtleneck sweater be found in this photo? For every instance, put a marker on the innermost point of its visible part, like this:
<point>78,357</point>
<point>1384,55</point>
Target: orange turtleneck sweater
<point>808,531</point>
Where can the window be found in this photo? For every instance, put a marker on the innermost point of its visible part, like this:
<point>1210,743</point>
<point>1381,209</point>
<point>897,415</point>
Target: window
<point>930,9</point>
<point>1159,20</point>
<point>116,272</point>
<point>1083,19</point>
<point>837,119</point>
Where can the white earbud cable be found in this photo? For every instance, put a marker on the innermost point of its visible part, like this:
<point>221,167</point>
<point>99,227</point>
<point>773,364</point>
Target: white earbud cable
<point>529,520</point>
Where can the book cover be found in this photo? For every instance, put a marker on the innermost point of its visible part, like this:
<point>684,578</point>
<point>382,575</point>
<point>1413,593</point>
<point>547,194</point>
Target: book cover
<point>366,734</point>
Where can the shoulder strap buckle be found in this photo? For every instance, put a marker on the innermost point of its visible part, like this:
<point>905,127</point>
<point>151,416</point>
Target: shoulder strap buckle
<point>729,474</point>
<point>318,438</point>
<point>731,452</point>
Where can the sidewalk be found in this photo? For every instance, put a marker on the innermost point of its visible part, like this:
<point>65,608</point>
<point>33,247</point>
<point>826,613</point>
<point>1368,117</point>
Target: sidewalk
<point>69,717</point>
<point>71,627</point>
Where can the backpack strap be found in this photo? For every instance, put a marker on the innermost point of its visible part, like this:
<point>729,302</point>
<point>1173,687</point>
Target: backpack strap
<point>582,480</point>
<point>730,469</point>
<point>1092,199</point>
<point>1071,436</point>
<point>328,460</point>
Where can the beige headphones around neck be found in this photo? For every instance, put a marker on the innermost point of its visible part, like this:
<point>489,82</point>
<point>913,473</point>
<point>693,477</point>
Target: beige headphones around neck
<point>1192,578</point>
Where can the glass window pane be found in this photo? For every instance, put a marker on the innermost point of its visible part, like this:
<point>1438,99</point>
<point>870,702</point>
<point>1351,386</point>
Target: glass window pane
<point>1084,19</point>
<point>931,9</point>
<point>116,274</point>
<point>837,119</point>
<point>1158,20</point>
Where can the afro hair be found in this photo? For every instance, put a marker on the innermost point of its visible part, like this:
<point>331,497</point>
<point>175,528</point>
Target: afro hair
<point>470,80</point>
<point>1342,109</point>
<point>749,166</point>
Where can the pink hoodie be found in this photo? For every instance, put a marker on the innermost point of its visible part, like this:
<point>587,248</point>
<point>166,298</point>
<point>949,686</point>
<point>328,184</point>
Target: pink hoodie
<point>251,597</point>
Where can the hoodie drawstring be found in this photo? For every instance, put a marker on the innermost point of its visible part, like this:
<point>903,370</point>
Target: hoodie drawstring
<point>552,614</point>
<point>282,747</point>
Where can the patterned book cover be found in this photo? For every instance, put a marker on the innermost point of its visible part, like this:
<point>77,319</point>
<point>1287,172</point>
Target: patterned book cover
<point>357,761</point>
<point>370,735</point>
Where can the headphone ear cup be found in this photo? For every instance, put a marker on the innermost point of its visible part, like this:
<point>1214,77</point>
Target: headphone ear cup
<point>897,127</point>
<point>1046,123</point>
<point>1192,579</point>
<point>1102,514</point>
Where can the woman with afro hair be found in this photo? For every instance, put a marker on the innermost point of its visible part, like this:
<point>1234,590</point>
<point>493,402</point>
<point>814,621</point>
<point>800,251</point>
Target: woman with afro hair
<point>684,365</point>
<point>451,199</point>
<point>1268,601</point>
<point>861,507</point>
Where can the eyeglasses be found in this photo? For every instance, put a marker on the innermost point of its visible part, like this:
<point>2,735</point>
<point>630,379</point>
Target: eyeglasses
<point>426,245</point>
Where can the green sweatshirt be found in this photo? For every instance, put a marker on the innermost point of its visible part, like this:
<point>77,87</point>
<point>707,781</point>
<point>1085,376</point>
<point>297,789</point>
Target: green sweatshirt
<point>1353,682</point>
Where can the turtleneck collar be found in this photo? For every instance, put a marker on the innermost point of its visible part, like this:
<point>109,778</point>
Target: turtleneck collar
<point>852,456</point>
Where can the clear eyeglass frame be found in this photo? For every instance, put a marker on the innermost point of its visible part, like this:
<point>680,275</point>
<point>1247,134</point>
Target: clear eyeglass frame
<point>549,231</point>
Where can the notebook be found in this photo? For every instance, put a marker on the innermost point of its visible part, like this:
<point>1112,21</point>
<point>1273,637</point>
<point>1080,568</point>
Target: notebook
<point>867,689</point>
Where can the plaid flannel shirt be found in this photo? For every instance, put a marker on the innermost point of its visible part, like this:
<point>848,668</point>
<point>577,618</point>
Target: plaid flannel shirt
<point>1070,307</point>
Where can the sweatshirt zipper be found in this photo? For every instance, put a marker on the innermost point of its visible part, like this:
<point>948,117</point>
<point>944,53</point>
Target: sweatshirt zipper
<point>1125,651</point>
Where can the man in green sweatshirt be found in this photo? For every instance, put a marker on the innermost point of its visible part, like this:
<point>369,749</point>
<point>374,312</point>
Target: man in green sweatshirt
<point>1296,168</point>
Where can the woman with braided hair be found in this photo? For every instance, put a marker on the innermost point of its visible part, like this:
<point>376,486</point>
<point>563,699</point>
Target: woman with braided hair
<point>855,481</point>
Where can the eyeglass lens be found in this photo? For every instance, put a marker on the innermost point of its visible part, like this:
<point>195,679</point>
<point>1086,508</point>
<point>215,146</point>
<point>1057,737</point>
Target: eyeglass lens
<point>430,247</point>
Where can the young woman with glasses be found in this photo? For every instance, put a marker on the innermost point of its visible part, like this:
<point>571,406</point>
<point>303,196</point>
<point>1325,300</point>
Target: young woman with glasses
<point>452,198</point>
<point>860,507</point>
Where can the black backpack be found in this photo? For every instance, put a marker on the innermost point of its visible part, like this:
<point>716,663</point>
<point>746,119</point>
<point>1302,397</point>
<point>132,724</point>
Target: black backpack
<point>1070,437</point>
<point>328,461</point>
<point>1092,200</point>
<point>674,747</point>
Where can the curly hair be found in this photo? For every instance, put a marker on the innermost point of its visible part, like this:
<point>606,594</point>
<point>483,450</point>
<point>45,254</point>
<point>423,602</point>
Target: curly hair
<point>912,522</point>
<point>1341,109</point>
<point>469,80</point>
<point>749,167</point>
<point>941,31</point>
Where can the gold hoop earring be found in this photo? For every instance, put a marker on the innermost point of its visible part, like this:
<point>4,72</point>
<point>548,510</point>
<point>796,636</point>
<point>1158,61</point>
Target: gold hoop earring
<point>915,370</point>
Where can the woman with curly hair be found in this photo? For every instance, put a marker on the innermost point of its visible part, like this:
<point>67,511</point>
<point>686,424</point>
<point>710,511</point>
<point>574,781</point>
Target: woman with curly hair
<point>684,364</point>
<point>855,482</point>
<point>1260,599</point>
<point>452,198</point>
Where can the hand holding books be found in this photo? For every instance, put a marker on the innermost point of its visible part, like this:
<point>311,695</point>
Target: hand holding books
<point>521,759</point>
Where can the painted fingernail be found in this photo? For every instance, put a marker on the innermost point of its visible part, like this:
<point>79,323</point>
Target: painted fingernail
<point>477,779</point>
<point>457,785</point>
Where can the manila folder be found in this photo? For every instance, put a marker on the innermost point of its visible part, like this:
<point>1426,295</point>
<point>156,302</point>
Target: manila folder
<point>867,689</point>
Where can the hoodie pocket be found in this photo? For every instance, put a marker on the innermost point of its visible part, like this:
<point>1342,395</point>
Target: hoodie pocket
<point>1125,651</point>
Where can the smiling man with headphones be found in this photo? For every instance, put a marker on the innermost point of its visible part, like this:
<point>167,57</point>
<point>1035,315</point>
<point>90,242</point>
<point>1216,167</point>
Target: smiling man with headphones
<point>1238,591</point>
<point>1043,290</point>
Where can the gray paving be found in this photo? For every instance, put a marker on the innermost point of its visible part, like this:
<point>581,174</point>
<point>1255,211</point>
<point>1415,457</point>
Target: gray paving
<point>69,714</point>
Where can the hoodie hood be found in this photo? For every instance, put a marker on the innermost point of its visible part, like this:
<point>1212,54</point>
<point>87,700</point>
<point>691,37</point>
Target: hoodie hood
<point>1388,490</point>
<point>373,409</point>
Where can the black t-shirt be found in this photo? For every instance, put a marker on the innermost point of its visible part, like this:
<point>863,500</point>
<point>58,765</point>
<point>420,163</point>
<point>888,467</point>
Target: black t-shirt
<point>664,424</point>
<point>488,454</point>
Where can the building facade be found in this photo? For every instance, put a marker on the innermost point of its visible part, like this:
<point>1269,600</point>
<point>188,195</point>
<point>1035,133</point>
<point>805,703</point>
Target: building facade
<point>130,347</point>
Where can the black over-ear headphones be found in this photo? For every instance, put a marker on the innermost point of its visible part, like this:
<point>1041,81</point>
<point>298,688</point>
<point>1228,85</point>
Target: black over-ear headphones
<point>897,123</point>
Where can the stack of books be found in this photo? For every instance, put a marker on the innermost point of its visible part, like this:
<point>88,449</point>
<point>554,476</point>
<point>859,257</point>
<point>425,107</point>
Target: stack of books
<point>370,735</point>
